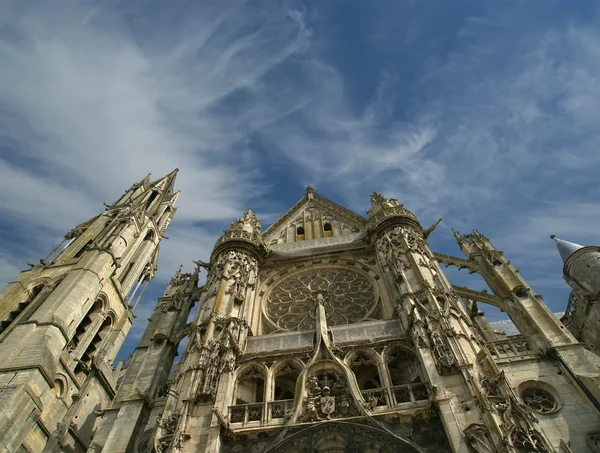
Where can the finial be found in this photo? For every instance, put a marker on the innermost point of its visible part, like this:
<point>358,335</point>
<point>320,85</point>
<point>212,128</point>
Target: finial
<point>310,189</point>
<point>552,236</point>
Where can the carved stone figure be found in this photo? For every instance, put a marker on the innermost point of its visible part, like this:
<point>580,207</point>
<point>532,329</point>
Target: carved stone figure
<point>327,402</point>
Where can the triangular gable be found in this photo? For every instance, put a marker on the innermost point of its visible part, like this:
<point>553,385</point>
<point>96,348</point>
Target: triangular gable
<point>314,217</point>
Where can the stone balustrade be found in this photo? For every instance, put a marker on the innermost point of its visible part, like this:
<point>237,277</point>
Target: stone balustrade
<point>513,346</point>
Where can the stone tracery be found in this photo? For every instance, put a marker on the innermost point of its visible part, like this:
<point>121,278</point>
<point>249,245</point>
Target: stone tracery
<point>350,297</point>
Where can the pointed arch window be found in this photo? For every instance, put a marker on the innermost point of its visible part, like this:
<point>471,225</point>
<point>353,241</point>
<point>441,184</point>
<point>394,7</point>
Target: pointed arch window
<point>364,365</point>
<point>94,346</point>
<point>83,249</point>
<point>366,371</point>
<point>285,381</point>
<point>141,254</point>
<point>85,325</point>
<point>300,233</point>
<point>250,386</point>
<point>20,307</point>
<point>405,375</point>
<point>249,396</point>
<point>151,199</point>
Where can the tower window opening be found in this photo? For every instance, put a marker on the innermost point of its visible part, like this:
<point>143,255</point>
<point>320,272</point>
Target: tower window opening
<point>327,227</point>
<point>403,368</point>
<point>85,323</point>
<point>83,249</point>
<point>125,273</point>
<point>151,199</point>
<point>94,346</point>
<point>7,321</point>
<point>364,366</point>
<point>251,387</point>
<point>300,231</point>
<point>285,382</point>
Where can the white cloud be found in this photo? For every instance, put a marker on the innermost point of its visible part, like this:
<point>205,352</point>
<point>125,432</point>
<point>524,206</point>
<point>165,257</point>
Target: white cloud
<point>88,109</point>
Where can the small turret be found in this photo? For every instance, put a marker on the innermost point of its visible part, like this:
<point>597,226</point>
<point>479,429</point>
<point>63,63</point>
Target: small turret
<point>244,233</point>
<point>385,213</point>
<point>581,266</point>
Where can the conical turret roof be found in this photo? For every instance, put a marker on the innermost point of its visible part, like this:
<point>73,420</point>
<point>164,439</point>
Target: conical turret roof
<point>565,248</point>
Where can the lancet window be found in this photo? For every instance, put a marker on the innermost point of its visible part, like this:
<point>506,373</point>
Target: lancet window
<point>18,309</point>
<point>95,344</point>
<point>405,375</point>
<point>249,396</point>
<point>285,377</point>
<point>365,366</point>
<point>85,324</point>
<point>250,386</point>
<point>83,249</point>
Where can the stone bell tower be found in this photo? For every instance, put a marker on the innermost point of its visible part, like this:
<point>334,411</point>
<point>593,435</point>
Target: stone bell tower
<point>63,321</point>
<point>334,332</point>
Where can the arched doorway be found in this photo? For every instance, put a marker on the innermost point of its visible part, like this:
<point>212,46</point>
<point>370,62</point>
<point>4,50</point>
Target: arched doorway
<point>345,437</point>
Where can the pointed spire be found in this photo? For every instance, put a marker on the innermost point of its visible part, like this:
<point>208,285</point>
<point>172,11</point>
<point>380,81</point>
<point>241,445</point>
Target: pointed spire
<point>457,235</point>
<point>565,248</point>
<point>167,182</point>
<point>145,181</point>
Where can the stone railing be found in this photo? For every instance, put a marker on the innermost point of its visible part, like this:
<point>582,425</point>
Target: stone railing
<point>410,393</point>
<point>379,396</point>
<point>246,413</point>
<point>513,346</point>
<point>280,409</point>
<point>361,332</point>
<point>388,212</point>
<point>275,411</point>
<point>233,235</point>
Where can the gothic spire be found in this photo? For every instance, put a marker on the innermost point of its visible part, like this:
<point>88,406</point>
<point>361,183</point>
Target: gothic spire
<point>565,248</point>
<point>166,183</point>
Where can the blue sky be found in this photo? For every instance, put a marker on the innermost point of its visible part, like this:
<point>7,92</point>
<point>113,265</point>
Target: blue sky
<point>481,112</point>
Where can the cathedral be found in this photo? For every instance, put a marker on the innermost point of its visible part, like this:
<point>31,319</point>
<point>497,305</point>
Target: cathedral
<point>326,332</point>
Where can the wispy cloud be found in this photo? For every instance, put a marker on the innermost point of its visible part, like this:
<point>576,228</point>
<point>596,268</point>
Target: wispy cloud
<point>88,107</point>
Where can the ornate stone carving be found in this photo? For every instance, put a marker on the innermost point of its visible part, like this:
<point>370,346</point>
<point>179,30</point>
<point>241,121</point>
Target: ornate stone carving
<point>383,208</point>
<point>491,386</point>
<point>167,427</point>
<point>241,272</point>
<point>528,440</point>
<point>391,246</point>
<point>327,397</point>
<point>479,439</point>
<point>416,243</point>
<point>215,356</point>
<point>348,297</point>
<point>247,229</point>
<point>445,359</point>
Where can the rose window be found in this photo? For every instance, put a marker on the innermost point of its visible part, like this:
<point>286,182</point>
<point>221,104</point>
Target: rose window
<point>539,400</point>
<point>348,295</point>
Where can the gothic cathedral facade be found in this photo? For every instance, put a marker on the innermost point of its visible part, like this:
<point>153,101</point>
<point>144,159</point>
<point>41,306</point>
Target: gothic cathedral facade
<point>326,332</point>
